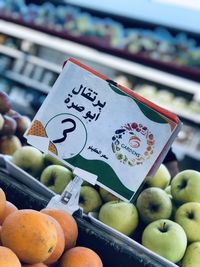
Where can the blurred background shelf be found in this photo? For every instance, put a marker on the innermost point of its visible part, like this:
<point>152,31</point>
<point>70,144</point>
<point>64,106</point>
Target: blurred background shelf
<point>164,42</point>
<point>26,81</point>
<point>97,56</point>
<point>163,12</point>
<point>10,52</point>
<point>32,57</point>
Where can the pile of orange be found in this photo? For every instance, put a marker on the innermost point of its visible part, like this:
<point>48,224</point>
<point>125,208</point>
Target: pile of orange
<point>46,238</point>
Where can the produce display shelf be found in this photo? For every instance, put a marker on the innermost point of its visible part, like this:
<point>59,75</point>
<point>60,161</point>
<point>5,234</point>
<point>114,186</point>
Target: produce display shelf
<point>185,151</point>
<point>163,12</point>
<point>98,56</point>
<point>28,82</point>
<point>140,57</point>
<point>44,63</point>
<point>182,113</point>
<point>12,52</point>
<point>188,116</point>
<point>189,150</point>
<point>112,250</point>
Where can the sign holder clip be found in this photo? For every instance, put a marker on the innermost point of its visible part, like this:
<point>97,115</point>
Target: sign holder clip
<point>69,199</point>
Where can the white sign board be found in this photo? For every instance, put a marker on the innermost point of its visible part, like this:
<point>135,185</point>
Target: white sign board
<point>89,123</point>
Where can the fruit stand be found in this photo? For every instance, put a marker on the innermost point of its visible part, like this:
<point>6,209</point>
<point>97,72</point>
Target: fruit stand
<point>130,232</point>
<point>112,250</point>
<point>130,209</point>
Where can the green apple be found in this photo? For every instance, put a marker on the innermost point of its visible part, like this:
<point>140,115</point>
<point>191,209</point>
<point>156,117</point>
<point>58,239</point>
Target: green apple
<point>168,190</point>
<point>154,203</point>
<point>194,107</point>
<point>161,178</point>
<point>107,196</point>
<point>56,178</point>
<point>175,205</point>
<point>192,256</point>
<point>188,216</point>
<point>185,186</point>
<point>166,238</point>
<point>89,199</point>
<point>164,96</point>
<point>120,215</point>
<point>179,103</point>
<point>30,159</point>
<point>49,160</point>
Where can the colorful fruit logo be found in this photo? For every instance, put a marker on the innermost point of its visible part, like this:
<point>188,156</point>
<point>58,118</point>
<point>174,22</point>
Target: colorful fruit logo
<point>133,143</point>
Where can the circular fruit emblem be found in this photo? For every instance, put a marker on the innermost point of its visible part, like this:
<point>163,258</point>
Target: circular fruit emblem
<point>133,143</point>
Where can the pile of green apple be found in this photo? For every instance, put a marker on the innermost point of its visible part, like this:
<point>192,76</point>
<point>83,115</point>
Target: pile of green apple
<point>43,167</point>
<point>12,126</point>
<point>55,175</point>
<point>165,217</point>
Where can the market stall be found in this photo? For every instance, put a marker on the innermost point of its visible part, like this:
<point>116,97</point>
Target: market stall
<point>126,91</point>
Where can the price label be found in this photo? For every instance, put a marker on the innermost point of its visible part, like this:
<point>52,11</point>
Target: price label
<point>97,126</point>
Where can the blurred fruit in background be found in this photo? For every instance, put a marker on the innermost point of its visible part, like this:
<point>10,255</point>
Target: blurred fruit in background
<point>12,126</point>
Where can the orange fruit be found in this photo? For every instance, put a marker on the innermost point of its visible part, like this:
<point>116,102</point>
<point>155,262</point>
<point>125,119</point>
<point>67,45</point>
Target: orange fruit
<point>35,265</point>
<point>0,235</point>
<point>67,223</point>
<point>80,257</point>
<point>8,258</point>
<point>2,201</point>
<point>9,208</point>
<point>59,249</point>
<point>31,235</point>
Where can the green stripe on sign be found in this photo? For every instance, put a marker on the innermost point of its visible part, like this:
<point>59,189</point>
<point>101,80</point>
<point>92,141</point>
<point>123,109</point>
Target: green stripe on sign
<point>105,173</point>
<point>146,110</point>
